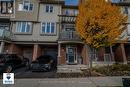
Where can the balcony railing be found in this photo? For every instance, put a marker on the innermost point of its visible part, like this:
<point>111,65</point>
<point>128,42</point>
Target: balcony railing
<point>107,57</point>
<point>121,2</point>
<point>5,34</point>
<point>69,36</point>
<point>67,18</point>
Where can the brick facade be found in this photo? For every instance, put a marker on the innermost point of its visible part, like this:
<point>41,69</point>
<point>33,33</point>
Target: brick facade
<point>14,49</point>
<point>36,51</point>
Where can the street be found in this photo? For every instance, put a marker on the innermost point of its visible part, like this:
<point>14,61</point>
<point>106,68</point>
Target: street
<point>68,82</point>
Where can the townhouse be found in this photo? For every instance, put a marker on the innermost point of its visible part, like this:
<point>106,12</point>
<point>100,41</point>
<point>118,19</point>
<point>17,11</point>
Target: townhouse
<point>38,27</point>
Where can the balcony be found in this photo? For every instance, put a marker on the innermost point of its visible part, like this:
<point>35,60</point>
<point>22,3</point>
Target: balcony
<point>67,19</point>
<point>69,36</point>
<point>5,34</point>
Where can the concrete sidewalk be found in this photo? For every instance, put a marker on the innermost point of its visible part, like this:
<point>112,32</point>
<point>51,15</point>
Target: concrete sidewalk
<point>68,82</point>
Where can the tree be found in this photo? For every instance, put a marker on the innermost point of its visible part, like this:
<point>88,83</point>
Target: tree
<point>100,23</point>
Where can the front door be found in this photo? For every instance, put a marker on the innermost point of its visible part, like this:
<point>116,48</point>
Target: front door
<point>71,55</point>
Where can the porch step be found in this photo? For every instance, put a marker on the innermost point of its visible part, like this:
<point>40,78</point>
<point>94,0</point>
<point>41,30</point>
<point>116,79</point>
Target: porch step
<point>71,68</point>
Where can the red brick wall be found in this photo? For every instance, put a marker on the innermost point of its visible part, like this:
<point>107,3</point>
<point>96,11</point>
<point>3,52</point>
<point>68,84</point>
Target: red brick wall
<point>101,53</point>
<point>84,55</point>
<point>127,50</point>
<point>36,51</point>
<point>15,49</point>
<point>118,54</point>
<point>62,59</point>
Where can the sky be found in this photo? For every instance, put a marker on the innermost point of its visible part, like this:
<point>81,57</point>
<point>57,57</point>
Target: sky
<point>71,2</point>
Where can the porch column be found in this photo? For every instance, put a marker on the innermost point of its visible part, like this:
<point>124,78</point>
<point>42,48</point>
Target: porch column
<point>112,54</point>
<point>14,49</point>
<point>2,47</point>
<point>11,48</point>
<point>123,53</point>
<point>85,55</point>
<point>59,54</point>
<point>36,51</point>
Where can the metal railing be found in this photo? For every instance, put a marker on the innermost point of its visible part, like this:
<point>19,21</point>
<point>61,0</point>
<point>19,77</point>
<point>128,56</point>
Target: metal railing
<point>69,35</point>
<point>5,34</point>
<point>107,57</point>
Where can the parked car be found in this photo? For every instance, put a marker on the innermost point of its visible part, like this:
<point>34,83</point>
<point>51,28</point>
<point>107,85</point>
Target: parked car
<point>42,63</point>
<point>9,62</point>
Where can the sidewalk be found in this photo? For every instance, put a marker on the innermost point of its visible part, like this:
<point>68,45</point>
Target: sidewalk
<point>68,82</point>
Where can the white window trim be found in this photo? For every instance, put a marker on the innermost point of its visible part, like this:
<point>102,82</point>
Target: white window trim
<point>20,30</point>
<point>46,28</point>
<point>75,56</point>
<point>23,6</point>
<point>49,8</point>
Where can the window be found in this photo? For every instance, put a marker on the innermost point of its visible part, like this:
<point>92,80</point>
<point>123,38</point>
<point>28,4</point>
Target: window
<point>25,6</point>
<point>24,27</point>
<point>69,27</point>
<point>117,1</point>
<point>70,12</point>
<point>49,9</point>
<point>48,28</point>
<point>129,10</point>
<point>126,10</point>
<point>4,26</point>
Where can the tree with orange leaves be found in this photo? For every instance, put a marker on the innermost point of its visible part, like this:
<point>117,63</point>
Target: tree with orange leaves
<point>100,23</point>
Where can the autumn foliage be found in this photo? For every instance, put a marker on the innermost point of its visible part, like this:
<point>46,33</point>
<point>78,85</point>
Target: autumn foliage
<point>100,23</point>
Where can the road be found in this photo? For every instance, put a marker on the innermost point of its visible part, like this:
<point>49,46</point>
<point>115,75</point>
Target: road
<point>68,82</point>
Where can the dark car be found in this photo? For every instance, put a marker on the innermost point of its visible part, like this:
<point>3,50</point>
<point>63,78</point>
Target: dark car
<point>42,63</point>
<point>9,62</point>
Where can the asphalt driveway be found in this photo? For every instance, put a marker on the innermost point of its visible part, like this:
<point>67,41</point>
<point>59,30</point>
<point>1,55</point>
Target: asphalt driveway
<point>24,73</point>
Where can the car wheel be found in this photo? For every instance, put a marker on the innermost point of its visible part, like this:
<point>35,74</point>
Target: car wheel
<point>8,69</point>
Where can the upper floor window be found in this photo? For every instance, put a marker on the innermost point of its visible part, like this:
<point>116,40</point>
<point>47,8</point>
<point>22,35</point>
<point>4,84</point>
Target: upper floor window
<point>70,12</point>
<point>49,8</point>
<point>24,27</point>
<point>69,27</point>
<point>48,28</point>
<point>4,26</point>
<point>6,7</point>
<point>126,10</point>
<point>25,6</point>
<point>117,1</point>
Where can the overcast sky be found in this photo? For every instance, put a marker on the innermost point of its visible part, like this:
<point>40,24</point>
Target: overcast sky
<point>71,2</point>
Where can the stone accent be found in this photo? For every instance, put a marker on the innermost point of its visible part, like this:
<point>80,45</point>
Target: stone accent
<point>71,68</point>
